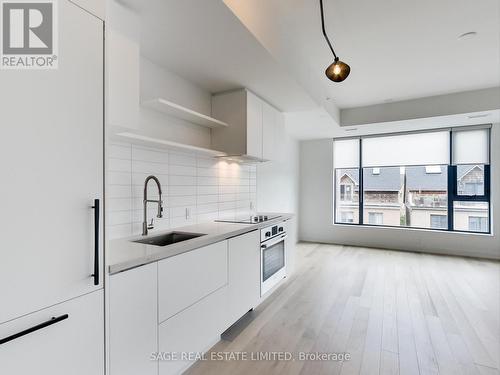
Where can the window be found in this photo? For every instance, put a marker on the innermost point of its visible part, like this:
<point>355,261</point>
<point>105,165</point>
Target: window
<point>381,194</point>
<point>430,169</point>
<point>347,216</point>
<point>471,216</point>
<point>346,192</point>
<point>376,218</point>
<point>439,221</point>
<point>470,180</point>
<point>426,195</point>
<point>478,224</point>
<point>405,195</point>
<point>473,188</point>
<point>347,195</point>
<point>430,180</point>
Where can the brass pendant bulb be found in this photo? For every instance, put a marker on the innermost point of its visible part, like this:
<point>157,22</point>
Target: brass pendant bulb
<point>338,71</point>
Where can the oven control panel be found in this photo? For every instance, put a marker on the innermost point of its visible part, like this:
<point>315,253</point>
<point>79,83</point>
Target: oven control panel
<point>272,231</point>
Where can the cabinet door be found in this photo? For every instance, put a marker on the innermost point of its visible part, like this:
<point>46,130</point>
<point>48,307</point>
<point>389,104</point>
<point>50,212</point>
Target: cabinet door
<point>74,345</point>
<point>187,278</point>
<point>254,125</point>
<point>244,275</point>
<point>280,154</point>
<point>269,132</point>
<point>192,331</point>
<point>51,158</point>
<point>133,321</point>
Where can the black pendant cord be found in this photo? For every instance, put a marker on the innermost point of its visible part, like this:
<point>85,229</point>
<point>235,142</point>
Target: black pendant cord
<point>324,31</point>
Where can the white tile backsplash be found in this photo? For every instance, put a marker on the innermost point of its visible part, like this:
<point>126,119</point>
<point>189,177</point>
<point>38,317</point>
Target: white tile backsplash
<point>195,188</point>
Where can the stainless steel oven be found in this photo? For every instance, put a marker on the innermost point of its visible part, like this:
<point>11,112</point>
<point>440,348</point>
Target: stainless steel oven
<point>272,256</point>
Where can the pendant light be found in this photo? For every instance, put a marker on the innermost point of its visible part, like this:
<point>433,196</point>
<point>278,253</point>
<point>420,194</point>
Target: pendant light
<point>338,70</point>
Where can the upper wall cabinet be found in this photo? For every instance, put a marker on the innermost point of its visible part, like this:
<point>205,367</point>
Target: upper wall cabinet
<point>270,118</point>
<point>253,123</point>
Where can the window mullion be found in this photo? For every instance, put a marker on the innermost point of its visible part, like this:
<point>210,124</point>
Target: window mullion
<point>452,185</point>
<point>360,178</point>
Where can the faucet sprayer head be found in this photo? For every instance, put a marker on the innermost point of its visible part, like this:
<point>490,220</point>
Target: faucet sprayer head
<point>160,210</point>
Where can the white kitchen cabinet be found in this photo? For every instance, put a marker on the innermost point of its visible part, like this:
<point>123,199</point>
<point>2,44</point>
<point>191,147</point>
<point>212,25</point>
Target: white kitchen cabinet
<point>269,131</point>
<point>192,331</point>
<point>179,306</point>
<point>244,275</point>
<point>252,125</point>
<point>133,321</point>
<point>279,153</point>
<point>51,158</point>
<point>74,345</point>
<point>186,278</point>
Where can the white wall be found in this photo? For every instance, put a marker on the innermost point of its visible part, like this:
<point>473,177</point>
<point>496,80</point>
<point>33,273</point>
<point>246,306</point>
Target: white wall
<point>155,82</point>
<point>428,107</point>
<point>316,211</point>
<point>132,79</point>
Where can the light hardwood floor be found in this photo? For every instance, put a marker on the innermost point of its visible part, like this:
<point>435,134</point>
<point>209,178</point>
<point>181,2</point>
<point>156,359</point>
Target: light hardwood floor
<point>394,312</point>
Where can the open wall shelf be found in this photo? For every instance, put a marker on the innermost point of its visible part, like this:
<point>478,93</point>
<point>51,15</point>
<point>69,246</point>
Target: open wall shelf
<point>178,111</point>
<point>123,135</point>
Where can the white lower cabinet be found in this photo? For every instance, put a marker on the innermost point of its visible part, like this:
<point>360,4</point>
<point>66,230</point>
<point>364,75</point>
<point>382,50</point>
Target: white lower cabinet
<point>192,332</point>
<point>244,275</point>
<point>163,316</point>
<point>186,278</point>
<point>133,321</point>
<point>72,345</point>
<point>192,293</point>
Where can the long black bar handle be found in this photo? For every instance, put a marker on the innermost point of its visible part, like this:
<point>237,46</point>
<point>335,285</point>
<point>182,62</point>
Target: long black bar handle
<point>96,208</point>
<point>53,320</point>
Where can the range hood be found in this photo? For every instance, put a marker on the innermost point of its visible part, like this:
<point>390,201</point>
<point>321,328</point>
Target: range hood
<point>242,159</point>
<point>242,139</point>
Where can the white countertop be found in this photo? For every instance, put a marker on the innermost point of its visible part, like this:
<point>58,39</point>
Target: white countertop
<point>123,254</point>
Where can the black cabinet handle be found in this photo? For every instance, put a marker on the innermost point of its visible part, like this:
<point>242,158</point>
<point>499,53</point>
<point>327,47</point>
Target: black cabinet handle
<point>53,320</point>
<point>96,208</point>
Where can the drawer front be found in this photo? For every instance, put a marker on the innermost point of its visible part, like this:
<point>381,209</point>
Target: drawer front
<point>187,278</point>
<point>194,330</point>
<point>73,345</point>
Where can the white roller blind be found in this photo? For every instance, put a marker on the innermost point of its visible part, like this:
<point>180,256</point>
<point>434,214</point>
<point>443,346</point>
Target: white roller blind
<point>346,153</point>
<point>407,149</point>
<point>471,146</point>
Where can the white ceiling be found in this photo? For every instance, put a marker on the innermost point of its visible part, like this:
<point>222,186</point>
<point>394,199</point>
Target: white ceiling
<point>397,50</point>
<point>204,42</point>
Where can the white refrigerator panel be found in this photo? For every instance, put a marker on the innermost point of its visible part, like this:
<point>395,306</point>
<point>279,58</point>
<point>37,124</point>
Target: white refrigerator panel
<point>51,163</point>
<point>65,339</point>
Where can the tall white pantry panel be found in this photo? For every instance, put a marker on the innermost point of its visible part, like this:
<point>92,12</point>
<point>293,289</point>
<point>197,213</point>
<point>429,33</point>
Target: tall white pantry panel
<point>51,163</point>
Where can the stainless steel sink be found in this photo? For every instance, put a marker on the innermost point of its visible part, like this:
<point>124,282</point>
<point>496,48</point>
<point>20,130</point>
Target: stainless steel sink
<point>169,238</point>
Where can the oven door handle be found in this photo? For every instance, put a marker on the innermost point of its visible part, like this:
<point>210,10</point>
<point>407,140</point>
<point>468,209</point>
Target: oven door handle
<point>273,241</point>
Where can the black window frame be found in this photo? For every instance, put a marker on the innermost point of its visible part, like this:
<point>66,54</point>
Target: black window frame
<point>452,195</point>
